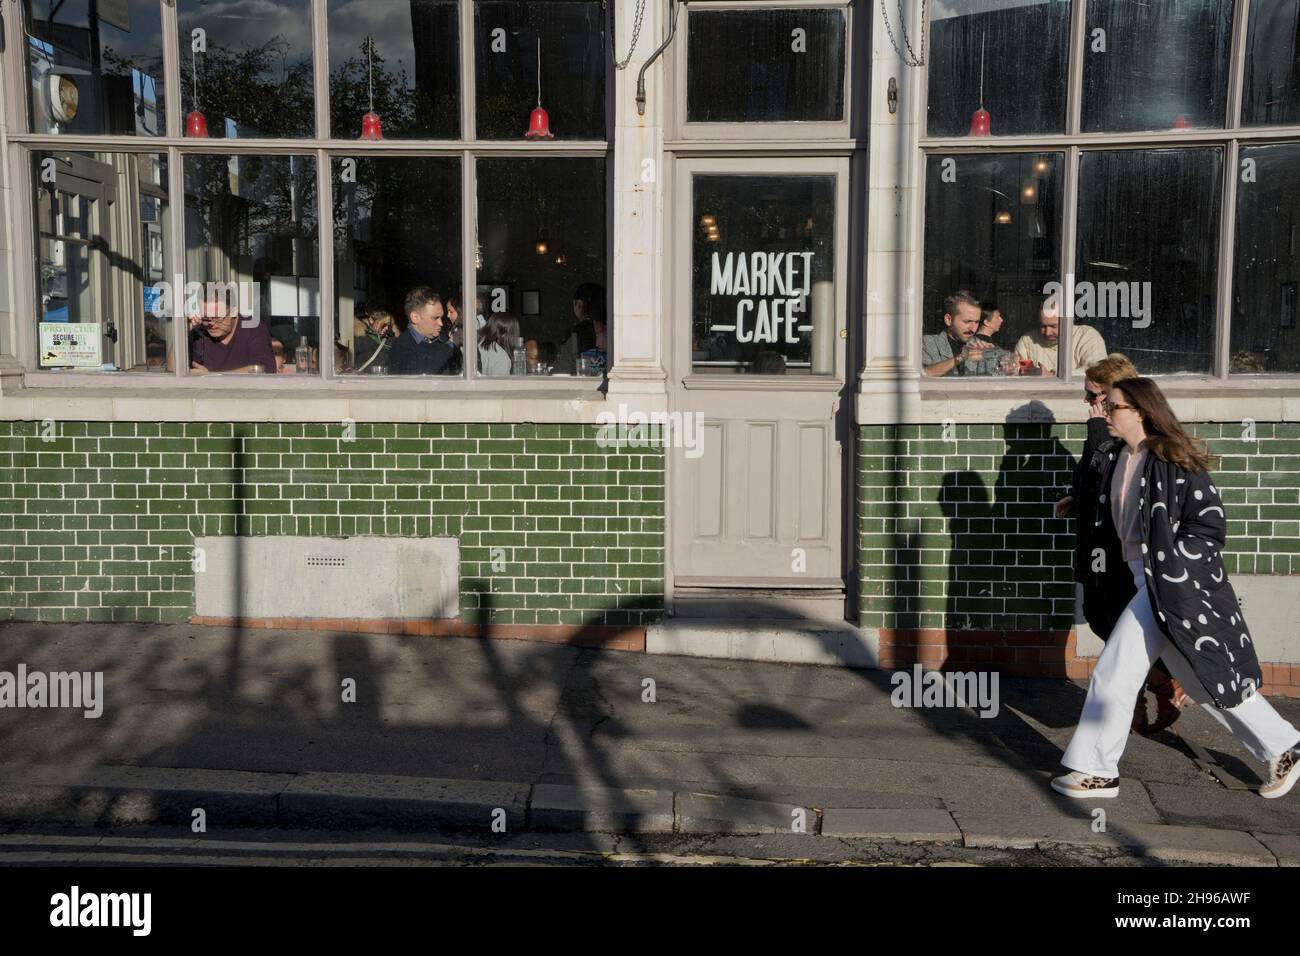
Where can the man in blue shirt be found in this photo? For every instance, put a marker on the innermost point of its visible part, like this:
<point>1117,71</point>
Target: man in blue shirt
<point>420,350</point>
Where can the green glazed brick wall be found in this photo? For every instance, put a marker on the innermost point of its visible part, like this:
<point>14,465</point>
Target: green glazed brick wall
<point>959,534</point>
<point>98,523</point>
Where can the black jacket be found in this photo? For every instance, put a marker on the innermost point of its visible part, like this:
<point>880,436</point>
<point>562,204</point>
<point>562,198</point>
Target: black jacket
<point>1183,534</point>
<point>430,357</point>
<point>1084,488</point>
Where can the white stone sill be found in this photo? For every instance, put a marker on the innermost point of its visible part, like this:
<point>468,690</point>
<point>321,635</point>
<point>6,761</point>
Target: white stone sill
<point>1193,400</point>
<point>126,404</point>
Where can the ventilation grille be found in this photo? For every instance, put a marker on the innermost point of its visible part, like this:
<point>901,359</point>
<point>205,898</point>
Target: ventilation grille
<point>322,561</point>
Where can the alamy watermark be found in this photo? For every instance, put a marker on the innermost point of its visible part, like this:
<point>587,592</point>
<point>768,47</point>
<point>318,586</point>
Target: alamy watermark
<point>75,689</point>
<point>1099,300</point>
<point>921,688</point>
<point>177,299</point>
<point>624,429</point>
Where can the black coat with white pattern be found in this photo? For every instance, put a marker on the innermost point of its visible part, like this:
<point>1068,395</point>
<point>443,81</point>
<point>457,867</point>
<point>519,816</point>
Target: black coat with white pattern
<point>1183,534</point>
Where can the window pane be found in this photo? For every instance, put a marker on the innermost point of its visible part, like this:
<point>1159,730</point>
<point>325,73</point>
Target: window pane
<point>992,231</point>
<point>98,73</point>
<point>1158,65</point>
<point>1265,337</point>
<point>763,287</point>
<point>574,51</point>
<point>255,78</point>
<point>1271,96</point>
<point>397,228</point>
<point>1147,255</point>
<point>1007,57</point>
<point>251,240</point>
<point>765,66</point>
<point>416,69</point>
<point>102,236</point>
<point>542,241</point>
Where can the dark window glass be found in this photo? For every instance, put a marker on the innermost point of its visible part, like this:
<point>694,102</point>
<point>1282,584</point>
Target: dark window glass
<point>1265,309</point>
<point>251,242</point>
<point>255,77</point>
<point>992,229</point>
<point>102,237</point>
<point>1006,57</point>
<point>1146,273</point>
<point>1157,65</point>
<point>414,66</point>
<point>763,276</point>
<point>397,228</point>
<point>95,67</point>
<point>1271,96</point>
<point>543,265</point>
<point>574,50</point>
<point>765,66</point>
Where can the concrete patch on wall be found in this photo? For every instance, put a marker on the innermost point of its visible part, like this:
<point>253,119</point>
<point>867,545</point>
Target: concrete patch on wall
<point>319,577</point>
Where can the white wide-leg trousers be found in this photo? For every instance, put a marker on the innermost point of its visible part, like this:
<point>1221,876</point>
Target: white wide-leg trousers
<point>1121,672</point>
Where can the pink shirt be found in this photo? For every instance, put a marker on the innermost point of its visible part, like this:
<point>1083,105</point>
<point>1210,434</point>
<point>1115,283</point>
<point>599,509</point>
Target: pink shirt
<point>1125,492</point>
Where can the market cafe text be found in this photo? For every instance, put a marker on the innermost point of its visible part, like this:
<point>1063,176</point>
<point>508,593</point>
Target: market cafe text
<point>781,279</point>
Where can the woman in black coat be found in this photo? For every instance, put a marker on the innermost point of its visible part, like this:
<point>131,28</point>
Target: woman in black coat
<point>1099,609</point>
<point>1155,543</point>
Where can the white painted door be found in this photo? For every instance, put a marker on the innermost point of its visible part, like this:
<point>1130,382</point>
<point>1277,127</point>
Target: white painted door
<point>757,326</point>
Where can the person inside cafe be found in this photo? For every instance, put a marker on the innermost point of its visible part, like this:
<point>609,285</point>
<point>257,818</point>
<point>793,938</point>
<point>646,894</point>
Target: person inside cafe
<point>1041,345</point>
<point>372,336</point>
<point>588,307</point>
<point>958,350</point>
<point>220,341</point>
<point>421,349</point>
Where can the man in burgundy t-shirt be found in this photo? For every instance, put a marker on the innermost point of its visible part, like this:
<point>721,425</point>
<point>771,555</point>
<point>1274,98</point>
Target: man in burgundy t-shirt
<point>219,342</point>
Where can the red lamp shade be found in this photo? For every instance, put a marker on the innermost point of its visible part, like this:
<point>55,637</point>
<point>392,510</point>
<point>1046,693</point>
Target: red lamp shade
<point>371,127</point>
<point>196,125</point>
<point>979,122</point>
<point>539,125</point>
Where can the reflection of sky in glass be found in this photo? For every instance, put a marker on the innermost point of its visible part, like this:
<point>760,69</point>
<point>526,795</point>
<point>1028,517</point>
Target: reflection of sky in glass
<point>249,23</point>
<point>388,21</point>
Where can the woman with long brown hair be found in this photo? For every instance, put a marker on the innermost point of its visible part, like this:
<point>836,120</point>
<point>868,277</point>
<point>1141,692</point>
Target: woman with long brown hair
<point>1099,610</point>
<point>1156,541</point>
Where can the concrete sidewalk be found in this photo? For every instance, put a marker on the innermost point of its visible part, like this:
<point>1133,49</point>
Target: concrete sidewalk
<point>250,726</point>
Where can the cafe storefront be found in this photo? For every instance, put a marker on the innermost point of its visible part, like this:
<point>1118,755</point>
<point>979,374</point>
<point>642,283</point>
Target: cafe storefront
<point>605,321</point>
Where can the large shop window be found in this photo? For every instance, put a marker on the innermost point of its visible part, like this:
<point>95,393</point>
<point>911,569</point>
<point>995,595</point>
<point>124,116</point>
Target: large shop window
<point>246,68</point>
<point>1272,85</point>
<point>1157,65</point>
<point>1146,269</point>
<point>398,59</point>
<point>765,65</point>
<point>998,67</point>
<point>251,245</point>
<point>546,55</point>
<point>397,238</point>
<point>1265,309</point>
<point>992,252</point>
<point>763,275</point>
<point>95,67</point>
<point>102,238</point>
<point>542,267</point>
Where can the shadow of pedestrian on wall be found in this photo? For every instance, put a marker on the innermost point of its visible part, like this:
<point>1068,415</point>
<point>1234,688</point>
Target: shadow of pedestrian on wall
<point>967,510</point>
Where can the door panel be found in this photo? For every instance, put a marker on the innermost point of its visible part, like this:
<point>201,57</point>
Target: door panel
<point>758,351</point>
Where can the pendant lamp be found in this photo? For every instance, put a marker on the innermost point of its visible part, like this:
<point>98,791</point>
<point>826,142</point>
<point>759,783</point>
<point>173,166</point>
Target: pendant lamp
<point>539,122</point>
<point>196,124</point>
<point>980,119</point>
<point>371,127</point>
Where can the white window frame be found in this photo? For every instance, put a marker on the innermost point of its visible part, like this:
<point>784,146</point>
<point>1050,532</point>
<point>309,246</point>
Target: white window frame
<point>175,146</point>
<point>1073,143</point>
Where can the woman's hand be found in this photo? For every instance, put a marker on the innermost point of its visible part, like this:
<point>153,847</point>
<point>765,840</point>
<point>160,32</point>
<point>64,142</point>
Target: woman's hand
<point>1063,506</point>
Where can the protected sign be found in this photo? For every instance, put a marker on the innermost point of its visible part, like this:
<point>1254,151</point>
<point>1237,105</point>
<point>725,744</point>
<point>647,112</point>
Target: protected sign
<point>75,344</point>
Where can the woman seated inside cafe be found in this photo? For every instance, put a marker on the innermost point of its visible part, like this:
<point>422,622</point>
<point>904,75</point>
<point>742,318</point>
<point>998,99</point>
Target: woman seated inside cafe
<point>495,344</point>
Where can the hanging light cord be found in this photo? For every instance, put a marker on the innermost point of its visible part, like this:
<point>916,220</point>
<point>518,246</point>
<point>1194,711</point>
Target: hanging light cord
<point>370,71</point>
<point>539,71</point>
<point>194,75</point>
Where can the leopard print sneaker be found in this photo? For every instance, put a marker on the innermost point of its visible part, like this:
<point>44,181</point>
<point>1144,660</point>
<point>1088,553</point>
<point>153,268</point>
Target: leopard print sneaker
<point>1082,786</point>
<point>1282,775</point>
